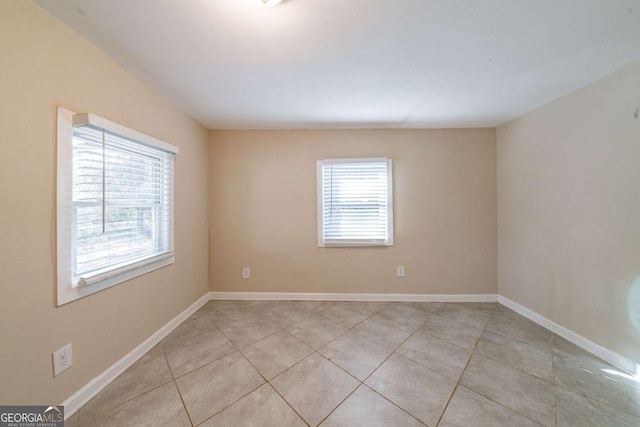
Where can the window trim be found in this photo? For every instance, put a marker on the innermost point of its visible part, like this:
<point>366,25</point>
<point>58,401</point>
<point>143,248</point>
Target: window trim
<point>67,290</point>
<point>322,243</point>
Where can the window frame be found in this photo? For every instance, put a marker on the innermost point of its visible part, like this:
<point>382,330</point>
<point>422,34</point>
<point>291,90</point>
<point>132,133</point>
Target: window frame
<point>68,287</point>
<point>320,205</point>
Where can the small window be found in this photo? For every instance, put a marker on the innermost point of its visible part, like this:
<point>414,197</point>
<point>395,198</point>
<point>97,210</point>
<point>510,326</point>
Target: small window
<point>355,203</point>
<point>115,204</point>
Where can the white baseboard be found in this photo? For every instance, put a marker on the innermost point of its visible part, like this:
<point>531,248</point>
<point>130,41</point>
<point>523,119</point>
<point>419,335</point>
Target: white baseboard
<point>304,296</point>
<point>93,387</point>
<point>603,353</point>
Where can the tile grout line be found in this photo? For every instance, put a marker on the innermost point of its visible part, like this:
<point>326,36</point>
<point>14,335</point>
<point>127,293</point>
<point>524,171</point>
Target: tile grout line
<point>175,383</point>
<point>394,404</point>
<point>431,370</point>
<point>339,404</point>
<point>455,388</point>
<point>237,349</point>
<point>144,392</point>
<point>474,391</point>
<point>387,358</point>
<point>206,364</point>
<point>592,399</point>
<point>244,395</point>
<point>313,352</point>
<point>581,393</point>
<point>337,366</point>
<point>263,377</point>
<point>516,368</point>
<point>287,402</point>
<point>518,339</point>
<point>124,402</point>
<point>440,339</point>
<point>349,330</point>
<point>362,383</point>
<point>232,403</point>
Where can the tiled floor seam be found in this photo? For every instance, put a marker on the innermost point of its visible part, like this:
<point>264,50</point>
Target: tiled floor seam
<point>339,404</point>
<point>270,385</point>
<point>314,351</point>
<point>327,359</point>
<point>213,415</point>
<point>433,336</point>
<point>555,385</point>
<point>513,367</point>
<point>347,372</point>
<point>184,405</point>
<point>518,339</point>
<point>580,393</point>
<point>348,329</point>
<point>521,341</point>
<point>362,383</point>
<point>459,384</point>
<point>288,404</point>
<point>392,352</point>
<point>125,402</point>
<point>591,398</point>
<point>455,388</point>
<point>201,366</point>
<point>494,313</point>
<point>475,346</point>
<point>231,404</point>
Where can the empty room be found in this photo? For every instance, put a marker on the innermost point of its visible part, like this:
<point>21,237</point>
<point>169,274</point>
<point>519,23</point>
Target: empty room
<point>320,213</point>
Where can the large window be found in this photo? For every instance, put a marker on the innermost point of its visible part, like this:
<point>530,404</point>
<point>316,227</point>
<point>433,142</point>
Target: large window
<point>355,203</point>
<point>115,205</point>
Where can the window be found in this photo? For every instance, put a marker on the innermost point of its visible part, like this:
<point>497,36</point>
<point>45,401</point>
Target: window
<point>115,204</point>
<point>355,203</point>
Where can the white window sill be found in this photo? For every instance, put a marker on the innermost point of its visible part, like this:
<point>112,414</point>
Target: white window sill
<point>355,244</point>
<point>70,292</point>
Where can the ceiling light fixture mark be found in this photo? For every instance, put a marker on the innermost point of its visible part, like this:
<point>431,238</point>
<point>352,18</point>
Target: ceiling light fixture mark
<point>269,3</point>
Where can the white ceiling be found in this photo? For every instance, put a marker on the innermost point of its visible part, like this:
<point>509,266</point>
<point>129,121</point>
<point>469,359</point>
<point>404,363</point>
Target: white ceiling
<point>234,64</point>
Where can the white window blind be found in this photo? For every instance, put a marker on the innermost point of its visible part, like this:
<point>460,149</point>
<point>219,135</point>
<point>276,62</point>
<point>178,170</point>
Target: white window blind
<point>355,203</point>
<point>122,204</point>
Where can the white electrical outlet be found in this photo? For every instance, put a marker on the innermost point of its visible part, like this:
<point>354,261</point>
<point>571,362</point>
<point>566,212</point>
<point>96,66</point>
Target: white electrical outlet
<point>246,272</point>
<point>400,271</point>
<point>62,360</point>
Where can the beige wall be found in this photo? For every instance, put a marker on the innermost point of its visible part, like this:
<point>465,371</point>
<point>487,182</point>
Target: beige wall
<point>45,65</point>
<point>569,210</point>
<point>263,212</point>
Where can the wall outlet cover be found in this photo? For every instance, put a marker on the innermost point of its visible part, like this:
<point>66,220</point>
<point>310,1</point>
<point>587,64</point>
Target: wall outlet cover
<point>62,360</point>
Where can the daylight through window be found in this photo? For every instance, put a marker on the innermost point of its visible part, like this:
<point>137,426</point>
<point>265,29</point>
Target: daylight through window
<point>115,204</point>
<point>355,204</point>
<point>122,202</point>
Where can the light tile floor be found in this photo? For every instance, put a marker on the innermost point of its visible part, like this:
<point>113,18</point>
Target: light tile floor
<point>298,363</point>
